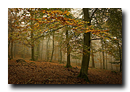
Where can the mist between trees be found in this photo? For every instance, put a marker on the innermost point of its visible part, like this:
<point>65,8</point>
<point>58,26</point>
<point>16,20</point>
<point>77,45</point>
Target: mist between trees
<point>88,37</point>
<point>43,53</point>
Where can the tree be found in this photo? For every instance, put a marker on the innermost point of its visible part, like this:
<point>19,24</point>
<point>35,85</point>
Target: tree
<point>47,51</point>
<point>103,54</point>
<point>68,50</point>
<point>86,53</point>
<point>32,42</point>
<point>12,19</point>
<point>43,22</point>
<point>110,19</point>
<point>53,46</point>
<point>115,25</point>
<point>93,64</point>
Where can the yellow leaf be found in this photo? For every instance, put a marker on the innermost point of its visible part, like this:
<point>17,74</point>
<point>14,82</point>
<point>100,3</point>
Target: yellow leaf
<point>43,11</point>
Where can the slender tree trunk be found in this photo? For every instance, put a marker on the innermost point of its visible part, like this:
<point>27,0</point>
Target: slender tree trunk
<point>52,49</point>
<point>103,54</point>
<point>24,52</point>
<point>86,53</point>
<point>106,56</point>
<point>120,52</point>
<point>100,60</point>
<point>60,54</point>
<point>47,52</point>
<point>111,64</point>
<point>42,50</point>
<point>37,54</point>
<point>32,46</point>
<point>11,49</point>
<point>93,64</point>
<point>14,49</point>
<point>32,42</point>
<point>103,60</point>
<point>68,51</point>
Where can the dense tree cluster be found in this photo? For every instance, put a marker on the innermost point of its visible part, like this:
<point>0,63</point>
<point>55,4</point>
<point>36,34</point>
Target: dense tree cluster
<point>28,26</point>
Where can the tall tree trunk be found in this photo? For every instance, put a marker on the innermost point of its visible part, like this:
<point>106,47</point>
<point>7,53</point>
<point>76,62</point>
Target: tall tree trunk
<point>32,46</point>
<point>32,42</point>
<point>106,55</point>
<point>68,51</point>
<point>120,52</point>
<point>15,47</point>
<point>52,49</point>
<point>86,53</point>
<point>60,52</point>
<point>93,64</point>
<point>38,49</point>
<point>11,49</point>
<point>100,60</point>
<point>103,60</point>
<point>111,64</point>
<point>42,50</point>
<point>47,52</point>
<point>103,54</point>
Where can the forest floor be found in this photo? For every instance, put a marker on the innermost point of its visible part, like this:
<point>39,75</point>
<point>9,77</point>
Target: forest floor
<point>33,72</point>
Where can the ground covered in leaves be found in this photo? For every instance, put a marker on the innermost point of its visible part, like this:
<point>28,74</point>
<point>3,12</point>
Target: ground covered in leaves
<point>33,72</point>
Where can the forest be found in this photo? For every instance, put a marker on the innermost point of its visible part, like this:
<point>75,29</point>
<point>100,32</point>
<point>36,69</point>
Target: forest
<point>64,46</point>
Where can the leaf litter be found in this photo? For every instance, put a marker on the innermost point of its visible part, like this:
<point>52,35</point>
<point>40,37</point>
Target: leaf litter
<point>33,72</point>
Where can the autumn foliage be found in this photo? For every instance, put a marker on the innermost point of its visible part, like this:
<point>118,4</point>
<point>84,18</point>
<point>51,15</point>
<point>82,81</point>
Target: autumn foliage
<point>35,28</point>
<point>47,20</point>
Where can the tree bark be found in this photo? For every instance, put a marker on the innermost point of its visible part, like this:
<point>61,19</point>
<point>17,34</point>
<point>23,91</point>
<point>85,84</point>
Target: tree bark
<point>100,60</point>
<point>38,49</point>
<point>111,64</point>
<point>93,64</point>
<point>47,52</point>
<point>103,54</point>
<point>11,49</point>
<point>42,49</point>
<point>120,52</point>
<point>32,41</point>
<point>68,51</point>
<point>106,55</point>
<point>52,49</point>
<point>86,53</point>
<point>32,46</point>
<point>60,52</point>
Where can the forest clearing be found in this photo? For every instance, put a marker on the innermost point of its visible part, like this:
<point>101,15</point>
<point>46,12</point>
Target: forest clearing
<point>65,46</point>
<point>33,72</point>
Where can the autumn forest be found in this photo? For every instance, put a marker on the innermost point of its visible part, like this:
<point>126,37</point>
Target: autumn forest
<point>65,46</point>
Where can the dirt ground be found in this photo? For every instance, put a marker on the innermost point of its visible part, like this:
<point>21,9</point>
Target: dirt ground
<point>33,72</point>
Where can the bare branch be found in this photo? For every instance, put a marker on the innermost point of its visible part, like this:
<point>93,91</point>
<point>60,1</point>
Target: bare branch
<point>44,32</point>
